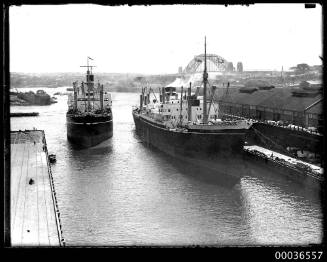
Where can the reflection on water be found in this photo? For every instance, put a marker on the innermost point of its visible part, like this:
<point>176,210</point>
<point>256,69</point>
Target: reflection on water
<point>122,192</point>
<point>278,215</point>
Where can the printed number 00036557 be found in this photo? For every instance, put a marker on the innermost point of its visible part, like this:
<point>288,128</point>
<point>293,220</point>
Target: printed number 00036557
<point>296,255</point>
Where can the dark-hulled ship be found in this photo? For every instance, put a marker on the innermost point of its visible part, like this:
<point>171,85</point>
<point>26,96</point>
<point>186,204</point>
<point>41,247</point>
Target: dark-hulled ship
<point>188,126</point>
<point>89,116</point>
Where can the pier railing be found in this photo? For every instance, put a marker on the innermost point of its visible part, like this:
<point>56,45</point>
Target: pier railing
<point>53,193</point>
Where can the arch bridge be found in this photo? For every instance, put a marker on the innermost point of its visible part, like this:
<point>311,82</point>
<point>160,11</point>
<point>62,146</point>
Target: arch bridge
<point>215,63</point>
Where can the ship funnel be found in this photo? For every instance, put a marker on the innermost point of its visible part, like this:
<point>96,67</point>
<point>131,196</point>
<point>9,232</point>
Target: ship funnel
<point>163,95</point>
<point>141,101</point>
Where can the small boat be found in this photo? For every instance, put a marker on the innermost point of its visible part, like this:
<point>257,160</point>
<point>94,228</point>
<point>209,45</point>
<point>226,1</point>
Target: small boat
<point>52,158</point>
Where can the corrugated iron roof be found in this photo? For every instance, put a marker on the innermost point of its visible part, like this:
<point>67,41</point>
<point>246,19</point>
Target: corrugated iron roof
<point>316,109</point>
<point>314,82</point>
<point>280,98</point>
<point>257,83</point>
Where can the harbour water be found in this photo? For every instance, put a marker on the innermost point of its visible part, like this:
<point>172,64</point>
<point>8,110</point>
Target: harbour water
<point>125,193</point>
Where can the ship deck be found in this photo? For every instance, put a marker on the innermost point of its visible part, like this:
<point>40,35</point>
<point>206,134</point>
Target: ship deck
<point>198,129</point>
<point>34,212</point>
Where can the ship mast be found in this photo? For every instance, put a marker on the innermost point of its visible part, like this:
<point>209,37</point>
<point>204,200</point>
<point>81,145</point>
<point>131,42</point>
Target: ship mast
<point>205,79</point>
<point>89,82</point>
<point>181,107</point>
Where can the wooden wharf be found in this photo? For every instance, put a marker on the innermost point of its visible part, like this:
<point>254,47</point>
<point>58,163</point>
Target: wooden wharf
<point>35,217</point>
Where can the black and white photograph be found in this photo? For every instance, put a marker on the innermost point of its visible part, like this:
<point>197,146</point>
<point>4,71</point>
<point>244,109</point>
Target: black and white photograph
<point>165,126</point>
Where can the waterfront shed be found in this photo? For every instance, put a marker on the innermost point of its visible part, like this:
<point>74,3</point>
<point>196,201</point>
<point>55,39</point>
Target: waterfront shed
<point>275,104</point>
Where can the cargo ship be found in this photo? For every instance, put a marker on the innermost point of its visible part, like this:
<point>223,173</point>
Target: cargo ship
<point>89,116</point>
<point>188,126</point>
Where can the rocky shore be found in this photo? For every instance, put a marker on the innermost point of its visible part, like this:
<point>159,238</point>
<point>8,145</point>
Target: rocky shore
<point>30,98</point>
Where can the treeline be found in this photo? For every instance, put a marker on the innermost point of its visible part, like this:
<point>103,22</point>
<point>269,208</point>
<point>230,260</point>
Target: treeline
<point>114,81</point>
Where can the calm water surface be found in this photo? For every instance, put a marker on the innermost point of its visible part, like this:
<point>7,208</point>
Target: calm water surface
<point>124,193</point>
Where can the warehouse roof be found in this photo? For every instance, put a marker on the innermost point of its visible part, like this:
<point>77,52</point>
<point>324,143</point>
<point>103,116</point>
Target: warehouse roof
<point>254,98</point>
<point>280,98</point>
<point>314,82</point>
<point>256,83</point>
<point>316,108</point>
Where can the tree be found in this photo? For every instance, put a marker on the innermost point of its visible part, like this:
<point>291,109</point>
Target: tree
<point>303,67</point>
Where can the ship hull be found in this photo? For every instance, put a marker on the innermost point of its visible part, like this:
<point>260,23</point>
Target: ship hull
<point>222,151</point>
<point>88,131</point>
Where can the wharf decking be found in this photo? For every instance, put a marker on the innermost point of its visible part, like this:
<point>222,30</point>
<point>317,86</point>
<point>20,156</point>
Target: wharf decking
<point>311,170</point>
<point>35,218</point>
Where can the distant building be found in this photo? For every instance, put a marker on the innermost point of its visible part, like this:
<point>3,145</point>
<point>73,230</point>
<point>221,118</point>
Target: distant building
<point>230,67</point>
<point>240,67</point>
<point>311,84</point>
<point>180,70</point>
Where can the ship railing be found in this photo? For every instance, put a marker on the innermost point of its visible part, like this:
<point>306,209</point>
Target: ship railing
<point>220,123</point>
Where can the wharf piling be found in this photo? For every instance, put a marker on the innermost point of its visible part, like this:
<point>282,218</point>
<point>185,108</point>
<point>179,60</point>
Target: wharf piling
<point>35,217</point>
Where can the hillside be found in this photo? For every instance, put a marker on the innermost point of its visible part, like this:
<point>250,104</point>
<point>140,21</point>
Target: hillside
<point>113,81</point>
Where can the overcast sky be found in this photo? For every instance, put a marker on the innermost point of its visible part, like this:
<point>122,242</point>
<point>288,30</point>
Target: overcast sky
<point>159,39</point>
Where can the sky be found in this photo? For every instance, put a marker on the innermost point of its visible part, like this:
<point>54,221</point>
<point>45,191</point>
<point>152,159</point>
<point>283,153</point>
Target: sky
<point>159,39</point>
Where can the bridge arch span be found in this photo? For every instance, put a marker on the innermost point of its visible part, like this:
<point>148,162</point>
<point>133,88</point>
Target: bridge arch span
<point>215,63</point>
